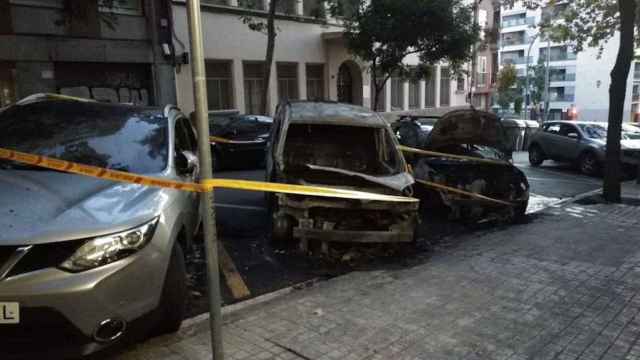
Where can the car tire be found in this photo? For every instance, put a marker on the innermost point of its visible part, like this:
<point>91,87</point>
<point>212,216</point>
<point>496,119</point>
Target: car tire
<point>588,164</point>
<point>536,155</point>
<point>173,303</point>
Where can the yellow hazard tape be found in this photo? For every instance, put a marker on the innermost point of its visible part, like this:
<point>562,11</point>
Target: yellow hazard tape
<point>451,156</point>
<point>462,192</point>
<point>217,139</point>
<point>205,186</point>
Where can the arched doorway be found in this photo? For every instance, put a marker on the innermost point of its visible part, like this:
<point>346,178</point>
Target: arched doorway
<point>350,83</point>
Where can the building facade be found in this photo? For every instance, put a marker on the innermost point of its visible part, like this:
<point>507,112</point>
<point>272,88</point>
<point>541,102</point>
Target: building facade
<point>109,51</point>
<point>578,82</point>
<point>486,63</point>
<point>311,62</point>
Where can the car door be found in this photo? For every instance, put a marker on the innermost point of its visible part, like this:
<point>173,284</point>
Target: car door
<point>548,140</point>
<point>185,140</point>
<point>568,142</point>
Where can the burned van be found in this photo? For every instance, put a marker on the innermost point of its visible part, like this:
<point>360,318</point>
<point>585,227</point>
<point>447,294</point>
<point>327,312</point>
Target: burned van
<point>341,146</point>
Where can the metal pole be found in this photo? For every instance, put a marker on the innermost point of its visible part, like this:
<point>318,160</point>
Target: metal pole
<point>206,172</point>
<point>546,83</point>
<point>526,94</point>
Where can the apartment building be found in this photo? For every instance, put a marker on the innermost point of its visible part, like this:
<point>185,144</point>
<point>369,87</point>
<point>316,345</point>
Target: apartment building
<point>311,62</point>
<point>109,51</point>
<point>487,54</point>
<point>578,82</point>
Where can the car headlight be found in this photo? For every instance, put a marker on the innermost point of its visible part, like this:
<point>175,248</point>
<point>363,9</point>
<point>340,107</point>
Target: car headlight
<point>107,249</point>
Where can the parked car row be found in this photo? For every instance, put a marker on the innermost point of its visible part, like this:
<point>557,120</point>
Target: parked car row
<point>85,262</point>
<point>582,143</point>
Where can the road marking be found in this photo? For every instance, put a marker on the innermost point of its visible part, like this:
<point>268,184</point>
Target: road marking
<point>240,207</point>
<point>234,280</point>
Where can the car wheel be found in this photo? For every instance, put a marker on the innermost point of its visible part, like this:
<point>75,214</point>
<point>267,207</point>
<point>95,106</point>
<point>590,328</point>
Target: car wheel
<point>173,303</point>
<point>536,156</point>
<point>589,164</point>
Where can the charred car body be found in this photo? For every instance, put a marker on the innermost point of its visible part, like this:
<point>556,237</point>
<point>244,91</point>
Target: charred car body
<point>473,134</point>
<point>342,146</point>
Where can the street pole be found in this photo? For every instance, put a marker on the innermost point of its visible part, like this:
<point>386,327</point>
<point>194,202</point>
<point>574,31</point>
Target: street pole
<point>546,83</point>
<point>526,94</point>
<point>206,172</point>
<point>474,59</point>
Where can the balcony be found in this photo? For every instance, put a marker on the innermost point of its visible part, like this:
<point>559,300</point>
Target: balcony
<point>562,77</point>
<point>562,97</point>
<point>524,40</point>
<point>518,22</point>
<point>482,80</point>
<point>558,56</point>
<point>516,61</point>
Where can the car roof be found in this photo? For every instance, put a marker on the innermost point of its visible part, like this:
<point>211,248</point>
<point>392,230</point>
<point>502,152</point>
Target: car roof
<point>575,122</point>
<point>333,113</point>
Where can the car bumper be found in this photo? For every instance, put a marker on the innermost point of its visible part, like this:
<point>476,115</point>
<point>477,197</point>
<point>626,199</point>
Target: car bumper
<point>61,311</point>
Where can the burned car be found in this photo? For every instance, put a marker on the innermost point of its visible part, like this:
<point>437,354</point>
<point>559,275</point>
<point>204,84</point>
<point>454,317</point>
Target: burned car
<point>483,167</point>
<point>342,146</point>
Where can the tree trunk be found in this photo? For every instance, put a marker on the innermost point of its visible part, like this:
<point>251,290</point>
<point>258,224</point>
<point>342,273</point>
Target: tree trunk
<point>617,94</point>
<point>268,62</point>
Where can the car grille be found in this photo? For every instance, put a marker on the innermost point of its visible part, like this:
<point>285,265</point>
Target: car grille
<point>40,330</point>
<point>39,256</point>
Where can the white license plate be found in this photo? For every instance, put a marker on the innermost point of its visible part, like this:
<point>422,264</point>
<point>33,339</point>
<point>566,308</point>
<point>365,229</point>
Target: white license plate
<point>9,313</point>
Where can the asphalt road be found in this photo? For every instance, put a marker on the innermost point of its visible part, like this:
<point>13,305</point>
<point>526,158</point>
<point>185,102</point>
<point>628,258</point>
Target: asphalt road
<point>242,226</point>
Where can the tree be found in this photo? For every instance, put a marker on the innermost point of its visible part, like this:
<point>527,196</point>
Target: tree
<point>268,28</point>
<point>537,79</point>
<point>592,23</point>
<point>505,84</point>
<point>382,33</point>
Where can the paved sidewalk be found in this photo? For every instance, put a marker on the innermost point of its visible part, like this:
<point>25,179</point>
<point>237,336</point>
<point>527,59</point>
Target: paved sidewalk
<point>565,286</point>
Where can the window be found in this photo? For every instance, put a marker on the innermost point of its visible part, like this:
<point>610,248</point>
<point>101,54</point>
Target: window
<point>430,90</point>
<point>287,81</point>
<point>287,7</point>
<point>219,85</point>
<point>315,82</point>
<point>460,84</point>
<point>445,86</point>
<point>129,7</point>
<point>397,93</point>
<point>314,8</point>
<point>553,129</point>
<point>514,38</point>
<point>253,87</point>
<point>414,94</point>
<point>481,79</point>
<point>558,53</point>
<point>636,71</point>
<point>7,83</point>
<point>513,57</point>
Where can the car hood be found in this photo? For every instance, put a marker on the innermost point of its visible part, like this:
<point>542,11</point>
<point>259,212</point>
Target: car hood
<point>630,144</point>
<point>398,182</point>
<point>471,127</point>
<point>43,207</point>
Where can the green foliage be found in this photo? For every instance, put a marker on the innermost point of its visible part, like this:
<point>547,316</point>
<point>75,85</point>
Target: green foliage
<point>507,78</point>
<point>517,104</point>
<point>382,33</point>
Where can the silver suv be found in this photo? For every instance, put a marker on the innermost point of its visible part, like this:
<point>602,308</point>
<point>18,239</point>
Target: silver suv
<point>84,261</point>
<point>582,143</point>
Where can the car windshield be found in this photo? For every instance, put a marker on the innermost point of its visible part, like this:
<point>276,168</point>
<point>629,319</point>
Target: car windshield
<point>594,131</point>
<point>114,137</point>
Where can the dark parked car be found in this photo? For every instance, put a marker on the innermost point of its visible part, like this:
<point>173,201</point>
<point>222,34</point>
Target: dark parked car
<point>581,143</point>
<point>344,146</point>
<point>413,130</point>
<point>248,134</point>
<point>86,261</point>
<point>474,134</point>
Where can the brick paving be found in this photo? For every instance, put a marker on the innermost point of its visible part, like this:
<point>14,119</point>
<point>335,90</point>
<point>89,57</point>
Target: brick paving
<point>564,286</point>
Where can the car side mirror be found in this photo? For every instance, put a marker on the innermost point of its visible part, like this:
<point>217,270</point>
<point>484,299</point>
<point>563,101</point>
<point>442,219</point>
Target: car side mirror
<point>187,163</point>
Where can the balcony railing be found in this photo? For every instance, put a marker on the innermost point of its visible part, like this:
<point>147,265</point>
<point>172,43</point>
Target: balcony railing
<point>482,80</point>
<point>559,57</point>
<point>518,22</point>
<point>562,77</point>
<point>517,61</point>
<point>562,97</point>
<point>524,40</point>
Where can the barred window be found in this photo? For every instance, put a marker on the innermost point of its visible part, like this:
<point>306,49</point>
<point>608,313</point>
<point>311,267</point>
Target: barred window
<point>315,82</point>
<point>219,84</point>
<point>287,81</point>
